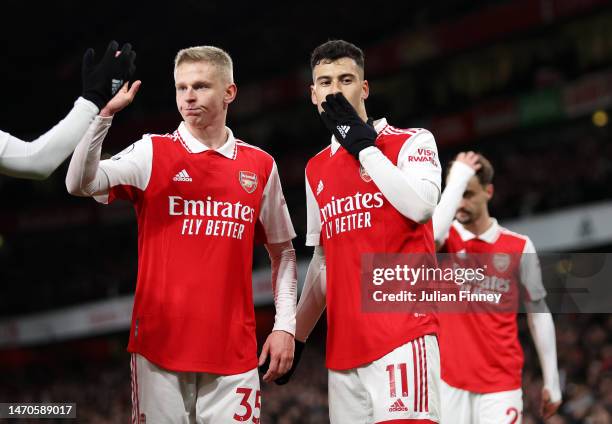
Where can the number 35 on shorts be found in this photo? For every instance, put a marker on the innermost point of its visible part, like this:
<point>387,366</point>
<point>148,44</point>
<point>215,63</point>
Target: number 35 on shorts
<point>250,405</point>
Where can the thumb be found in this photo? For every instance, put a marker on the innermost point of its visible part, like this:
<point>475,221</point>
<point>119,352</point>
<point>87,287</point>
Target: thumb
<point>134,89</point>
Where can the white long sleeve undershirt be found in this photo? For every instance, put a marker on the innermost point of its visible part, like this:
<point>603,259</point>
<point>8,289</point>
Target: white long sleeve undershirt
<point>284,285</point>
<point>85,177</point>
<point>542,330</point>
<point>312,300</point>
<point>39,158</point>
<point>456,183</point>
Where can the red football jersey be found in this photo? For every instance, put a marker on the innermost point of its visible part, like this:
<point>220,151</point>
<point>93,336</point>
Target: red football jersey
<point>349,216</point>
<point>197,212</point>
<point>480,351</point>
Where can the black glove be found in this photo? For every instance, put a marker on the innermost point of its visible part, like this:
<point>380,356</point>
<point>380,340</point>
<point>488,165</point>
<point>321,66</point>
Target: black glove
<point>345,124</point>
<point>284,379</point>
<point>102,81</point>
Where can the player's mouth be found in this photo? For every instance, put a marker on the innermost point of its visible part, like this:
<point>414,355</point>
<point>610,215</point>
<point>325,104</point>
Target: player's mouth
<point>192,111</point>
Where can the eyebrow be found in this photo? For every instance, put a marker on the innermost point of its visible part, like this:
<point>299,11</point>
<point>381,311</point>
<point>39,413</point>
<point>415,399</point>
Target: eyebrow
<point>341,76</point>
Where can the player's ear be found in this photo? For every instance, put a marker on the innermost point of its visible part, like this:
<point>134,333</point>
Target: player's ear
<point>365,89</point>
<point>230,93</point>
<point>489,189</point>
<point>313,96</point>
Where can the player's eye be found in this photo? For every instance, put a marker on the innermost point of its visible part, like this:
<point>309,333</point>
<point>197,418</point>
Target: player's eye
<point>347,80</point>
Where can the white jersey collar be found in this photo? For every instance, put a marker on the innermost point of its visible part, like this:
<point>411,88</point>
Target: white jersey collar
<point>195,146</point>
<point>378,126</point>
<point>490,235</point>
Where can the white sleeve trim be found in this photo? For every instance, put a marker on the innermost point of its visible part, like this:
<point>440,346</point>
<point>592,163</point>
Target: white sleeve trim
<point>39,158</point>
<point>413,188</point>
<point>274,214</point>
<point>284,285</point>
<point>313,219</point>
<point>456,183</point>
<point>312,301</point>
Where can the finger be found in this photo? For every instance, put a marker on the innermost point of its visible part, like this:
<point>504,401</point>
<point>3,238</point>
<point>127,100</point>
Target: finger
<point>264,353</point>
<point>334,107</point>
<point>285,364</point>
<point>273,370</point>
<point>110,50</point>
<point>126,49</point>
<point>88,59</point>
<point>134,89</point>
<point>344,104</point>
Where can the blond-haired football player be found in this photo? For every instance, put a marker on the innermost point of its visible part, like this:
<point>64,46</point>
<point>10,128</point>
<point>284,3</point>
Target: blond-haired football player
<point>202,198</point>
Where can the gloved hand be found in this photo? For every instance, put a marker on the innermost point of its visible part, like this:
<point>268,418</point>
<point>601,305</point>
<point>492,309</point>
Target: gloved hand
<point>102,81</point>
<point>345,124</point>
<point>284,379</point>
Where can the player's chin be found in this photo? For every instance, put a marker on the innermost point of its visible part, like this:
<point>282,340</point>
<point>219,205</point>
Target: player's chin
<point>464,218</point>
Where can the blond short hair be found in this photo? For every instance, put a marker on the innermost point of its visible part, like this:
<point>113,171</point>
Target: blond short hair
<point>210,54</point>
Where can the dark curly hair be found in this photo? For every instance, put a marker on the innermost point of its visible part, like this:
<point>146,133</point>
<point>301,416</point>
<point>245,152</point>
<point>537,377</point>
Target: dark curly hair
<point>333,50</point>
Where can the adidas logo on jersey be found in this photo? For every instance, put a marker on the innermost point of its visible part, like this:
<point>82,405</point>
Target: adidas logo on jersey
<point>182,176</point>
<point>319,187</point>
<point>343,130</point>
<point>398,406</point>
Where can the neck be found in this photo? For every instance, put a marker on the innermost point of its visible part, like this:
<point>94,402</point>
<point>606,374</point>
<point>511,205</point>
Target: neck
<point>212,136</point>
<point>363,114</point>
<point>480,225</point>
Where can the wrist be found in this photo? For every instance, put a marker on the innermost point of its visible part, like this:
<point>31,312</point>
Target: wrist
<point>107,112</point>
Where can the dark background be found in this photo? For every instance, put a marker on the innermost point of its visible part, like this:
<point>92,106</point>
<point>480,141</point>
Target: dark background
<point>502,77</point>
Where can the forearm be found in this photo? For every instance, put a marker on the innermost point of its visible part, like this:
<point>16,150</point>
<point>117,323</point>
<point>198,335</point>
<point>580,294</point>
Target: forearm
<point>443,216</point>
<point>413,197</point>
<point>284,284</point>
<point>39,158</point>
<point>312,300</point>
<point>542,330</point>
<point>85,177</point>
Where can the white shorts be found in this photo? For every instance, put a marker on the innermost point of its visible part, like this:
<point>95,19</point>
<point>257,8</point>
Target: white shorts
<point>463,407</point>
<point>163,396</point>
<point>400,387</point>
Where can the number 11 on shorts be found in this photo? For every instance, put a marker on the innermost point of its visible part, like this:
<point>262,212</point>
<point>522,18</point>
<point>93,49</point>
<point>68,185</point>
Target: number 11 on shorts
<point>391,369</point>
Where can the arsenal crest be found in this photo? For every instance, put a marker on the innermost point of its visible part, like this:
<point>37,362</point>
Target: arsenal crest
<point>364,175</point>
<point>501,261</point>
<point>248,181</point>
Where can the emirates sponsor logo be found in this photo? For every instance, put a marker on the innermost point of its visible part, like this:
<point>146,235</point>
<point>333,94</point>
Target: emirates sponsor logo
<point>351,204</point>
<point>182,176</point>
<point>248,181</point>
<point>398,406</point>
<point>209,207</point>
